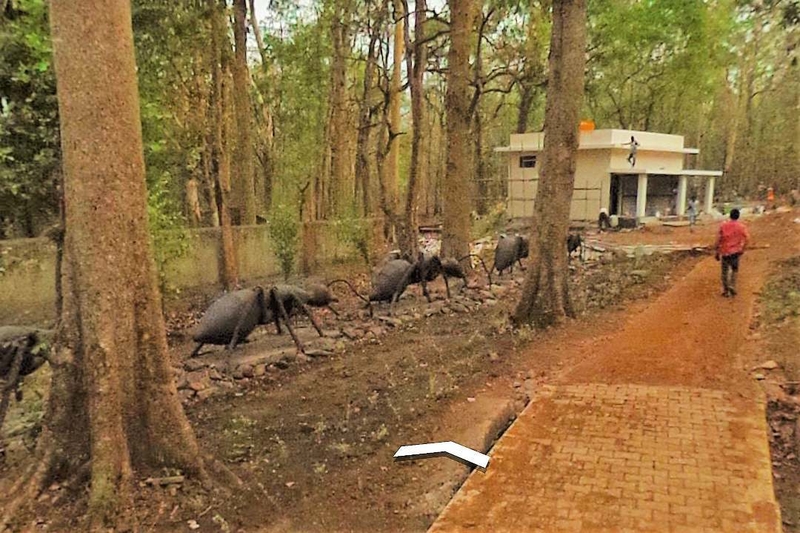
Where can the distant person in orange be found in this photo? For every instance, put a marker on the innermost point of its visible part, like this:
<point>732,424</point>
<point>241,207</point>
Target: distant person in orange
<point>771,198</point>
<point>731,242</point>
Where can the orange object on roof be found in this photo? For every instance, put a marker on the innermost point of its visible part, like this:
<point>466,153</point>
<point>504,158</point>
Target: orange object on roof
<point>586,125</point>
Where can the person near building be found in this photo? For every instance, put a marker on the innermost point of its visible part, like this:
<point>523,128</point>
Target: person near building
<point>691,212</point>
<point>732,240</point>
<point>634,144</point>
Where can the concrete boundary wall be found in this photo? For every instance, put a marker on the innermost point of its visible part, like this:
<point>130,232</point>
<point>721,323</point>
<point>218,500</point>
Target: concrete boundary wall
<point>27,266</point>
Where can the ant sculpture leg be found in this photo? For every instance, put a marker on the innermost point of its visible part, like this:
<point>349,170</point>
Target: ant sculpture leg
<point>242,317</point>
<point>520,266</point>
<point>196,351</point>
<point>446,285</point>
<point>281,312</point>
<point>304,308</point>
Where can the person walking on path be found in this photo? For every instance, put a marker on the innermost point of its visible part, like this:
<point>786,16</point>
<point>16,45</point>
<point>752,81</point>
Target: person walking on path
<point>731,242</point>
<point>691,212</point>
<point>634,144</point>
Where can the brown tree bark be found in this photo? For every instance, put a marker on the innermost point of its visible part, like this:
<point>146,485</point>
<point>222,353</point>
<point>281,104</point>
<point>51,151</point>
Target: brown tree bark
<point>545,296</point>
<point>392,160</point>
<point>113,399</point>
<point>243,168</point>
<point>456,183</point>
<point>365,116</point>
<point>266,138</point>
<point>221,98</point>
<point>339,110</point>
<point>416,62</point>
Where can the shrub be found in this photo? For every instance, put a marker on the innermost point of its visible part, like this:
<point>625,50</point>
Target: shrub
<point>284,228</point>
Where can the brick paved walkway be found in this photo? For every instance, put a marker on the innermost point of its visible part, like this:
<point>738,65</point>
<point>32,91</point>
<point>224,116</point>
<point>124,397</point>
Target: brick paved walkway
<point>624,458</point>
<point>658,429</point>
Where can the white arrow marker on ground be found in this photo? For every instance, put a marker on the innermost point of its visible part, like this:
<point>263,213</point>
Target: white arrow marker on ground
<point>437,449</point>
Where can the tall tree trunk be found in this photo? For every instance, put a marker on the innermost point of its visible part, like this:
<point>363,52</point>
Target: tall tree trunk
<point>416,61</point>
<point>221,145</point>
<point>113,398</point>
<point>365,118</point>
<point>243,173</point>
<point>545,296</point>
<point>526,95</point>
<point>395,98</point>
<point>266,137</point>
<point>339,111</point>
<point>456,185</point>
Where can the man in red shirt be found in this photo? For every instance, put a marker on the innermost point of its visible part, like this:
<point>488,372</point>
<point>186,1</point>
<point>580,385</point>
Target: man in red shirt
<point>731,242</point>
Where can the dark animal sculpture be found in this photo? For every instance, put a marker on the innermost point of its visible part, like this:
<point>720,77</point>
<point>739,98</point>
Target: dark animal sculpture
<point>22,351</point>
<point>510,250</point>
<point>394,277</point>
<point>232,317</point>
<point>575,243</point>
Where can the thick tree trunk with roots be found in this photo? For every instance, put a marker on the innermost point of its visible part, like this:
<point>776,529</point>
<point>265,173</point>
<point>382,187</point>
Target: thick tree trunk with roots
<point>545,295</point>
<point>456,183</point>
<point>243,168</point>
<point>395,97</point>
<point>113,403</point>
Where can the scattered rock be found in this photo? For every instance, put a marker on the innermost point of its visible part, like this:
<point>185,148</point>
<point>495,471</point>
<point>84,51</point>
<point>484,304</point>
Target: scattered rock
<point>759,377</point>
<point>247,371</point>
<point>490,301</point>
<point>332,333</point>
<point>193,524</point>
<point>392,322</point>
<point>214,374</point>
<point>318,352</point>
<point>494,356</point>
<point>283,363</point>
<point>377,331</point>
<point>207,393</point>
<point>180,380</point>
<point>640,273</point>
<point>238,373</point>
<point>769,365</point>
<point>290,484</point>
<point>433,309</point>
<point>194,364</point>
<point>259,370</point>
<point>352,333</point>
<point>198,380</point>
<point>340,347</point>
<point>459,308</point>
<point>186,395</point>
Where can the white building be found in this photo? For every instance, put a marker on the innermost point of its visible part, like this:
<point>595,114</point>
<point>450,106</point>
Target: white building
<point>656,186</point>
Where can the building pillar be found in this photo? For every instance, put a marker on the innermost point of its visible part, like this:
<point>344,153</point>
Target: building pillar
<point>641,196</point>
<point>709,194</point>
<point>680,203</point>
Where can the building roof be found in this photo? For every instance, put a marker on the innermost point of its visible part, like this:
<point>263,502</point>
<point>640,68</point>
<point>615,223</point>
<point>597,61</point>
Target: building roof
<point>604,140</point>
<point>662,172</point>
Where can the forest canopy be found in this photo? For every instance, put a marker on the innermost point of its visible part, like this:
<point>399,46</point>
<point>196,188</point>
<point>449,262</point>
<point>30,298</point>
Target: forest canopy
<point>326,114</point>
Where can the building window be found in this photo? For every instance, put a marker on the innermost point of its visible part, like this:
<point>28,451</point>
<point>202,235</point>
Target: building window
<point>527,161</point>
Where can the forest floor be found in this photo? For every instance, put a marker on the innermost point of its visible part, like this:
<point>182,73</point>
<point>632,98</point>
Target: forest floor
<point>312,438</point>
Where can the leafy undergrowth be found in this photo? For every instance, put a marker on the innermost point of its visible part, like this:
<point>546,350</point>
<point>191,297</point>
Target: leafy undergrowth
<point>778,330</point>
<point>312,442</point>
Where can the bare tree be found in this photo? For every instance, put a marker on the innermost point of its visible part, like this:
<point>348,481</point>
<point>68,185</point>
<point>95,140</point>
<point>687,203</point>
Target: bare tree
<point>545,296</point>
<point>113,407</point>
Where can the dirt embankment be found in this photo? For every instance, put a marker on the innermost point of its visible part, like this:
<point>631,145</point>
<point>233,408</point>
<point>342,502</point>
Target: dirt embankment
<point>313,440</point>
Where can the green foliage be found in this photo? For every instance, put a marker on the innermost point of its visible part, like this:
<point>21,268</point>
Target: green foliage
<point>29,144</point>
<point>356,232</point>
<point>284,229</point>
<point>170,240</point>
<point>493,222</point>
